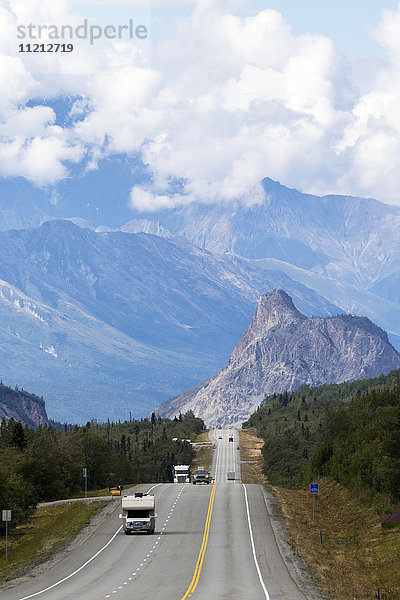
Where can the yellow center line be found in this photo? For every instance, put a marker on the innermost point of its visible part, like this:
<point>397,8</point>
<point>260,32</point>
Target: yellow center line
<point>199,564</point>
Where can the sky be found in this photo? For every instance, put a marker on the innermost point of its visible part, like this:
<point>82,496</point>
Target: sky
<point>218,95</point>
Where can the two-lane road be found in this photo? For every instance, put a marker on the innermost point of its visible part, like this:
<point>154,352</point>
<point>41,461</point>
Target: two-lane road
<point>211,541</point>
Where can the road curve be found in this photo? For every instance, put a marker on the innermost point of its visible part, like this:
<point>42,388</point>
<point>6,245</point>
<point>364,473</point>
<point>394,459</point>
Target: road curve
<point>211,541</point>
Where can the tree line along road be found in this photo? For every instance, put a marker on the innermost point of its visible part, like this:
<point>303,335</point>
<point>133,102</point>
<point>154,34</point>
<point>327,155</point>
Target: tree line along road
<point>211,541</point>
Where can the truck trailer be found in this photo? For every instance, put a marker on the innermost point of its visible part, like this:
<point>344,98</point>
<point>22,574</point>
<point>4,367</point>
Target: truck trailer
<point>181,474</point>
<point>138,513</point>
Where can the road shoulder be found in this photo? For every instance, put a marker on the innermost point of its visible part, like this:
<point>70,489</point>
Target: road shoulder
<point>34,569</point>
<point>294,563</point>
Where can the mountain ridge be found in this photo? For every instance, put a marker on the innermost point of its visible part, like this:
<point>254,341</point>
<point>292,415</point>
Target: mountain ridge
<point>114,322</point>
<point>195,291</point>
<point>282,350</point>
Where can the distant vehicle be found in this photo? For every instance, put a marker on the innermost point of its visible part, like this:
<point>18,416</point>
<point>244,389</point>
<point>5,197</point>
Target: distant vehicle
<point>231,438</point>
<point>219,427</point>
<point>138,513</point>
<point>231,475</point>
<point>220,437</point>
<point>181,474</point>
<point>201,476</point>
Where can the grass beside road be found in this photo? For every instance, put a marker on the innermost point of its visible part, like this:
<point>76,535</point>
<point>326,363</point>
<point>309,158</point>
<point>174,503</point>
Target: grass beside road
<point>356,556</point>
<point>251,460</point>
<point>204,452</point>
<point>46,531</point>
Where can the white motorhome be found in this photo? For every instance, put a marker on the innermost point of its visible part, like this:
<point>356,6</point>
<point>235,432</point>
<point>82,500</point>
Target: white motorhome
<point>138,513</point>
<point>181,474</point>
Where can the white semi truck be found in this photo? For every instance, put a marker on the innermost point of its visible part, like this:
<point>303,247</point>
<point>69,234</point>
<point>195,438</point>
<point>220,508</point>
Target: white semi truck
<point>138,513</point>
<point>181,474</point>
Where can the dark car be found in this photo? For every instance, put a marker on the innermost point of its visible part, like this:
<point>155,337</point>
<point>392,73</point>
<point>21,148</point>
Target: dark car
<point>201,476</point>
<point>230,438</point>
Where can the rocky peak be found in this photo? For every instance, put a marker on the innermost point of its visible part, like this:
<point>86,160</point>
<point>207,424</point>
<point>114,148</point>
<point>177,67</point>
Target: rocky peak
<point>282,350</point>
<point>274,310</point>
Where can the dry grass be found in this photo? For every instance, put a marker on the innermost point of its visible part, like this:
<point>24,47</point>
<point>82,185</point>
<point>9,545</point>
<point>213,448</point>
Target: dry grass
<point>356,556</point>
<point>250,456</point>
<point>204,452</point>
<point>45,532</point>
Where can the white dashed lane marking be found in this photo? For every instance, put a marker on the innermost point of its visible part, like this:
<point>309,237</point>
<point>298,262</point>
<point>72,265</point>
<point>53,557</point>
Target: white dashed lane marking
<point>150,551</point>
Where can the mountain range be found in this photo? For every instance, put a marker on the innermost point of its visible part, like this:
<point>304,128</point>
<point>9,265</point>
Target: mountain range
<point>106,311</point>
<point>281,350</point>
<point>107,323</point>
<point>344,248</point>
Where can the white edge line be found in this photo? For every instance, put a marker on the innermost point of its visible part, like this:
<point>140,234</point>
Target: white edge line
<point>252,546</point>
<point>84,564</point>
<point>77,570</point>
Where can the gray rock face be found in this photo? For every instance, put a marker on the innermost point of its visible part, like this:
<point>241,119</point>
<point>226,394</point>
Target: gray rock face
<point>281,350</point>
<point>21,406</point>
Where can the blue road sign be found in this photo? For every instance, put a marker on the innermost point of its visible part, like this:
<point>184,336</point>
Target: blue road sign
<point>314,488</point>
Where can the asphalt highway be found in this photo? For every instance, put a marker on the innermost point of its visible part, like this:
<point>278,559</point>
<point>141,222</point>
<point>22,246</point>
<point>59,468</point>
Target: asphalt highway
<point>211,542</point>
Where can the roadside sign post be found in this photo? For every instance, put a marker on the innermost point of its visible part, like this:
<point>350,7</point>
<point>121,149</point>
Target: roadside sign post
<point>85,478</point>
<point>6,516</point>
<point>314,489</point>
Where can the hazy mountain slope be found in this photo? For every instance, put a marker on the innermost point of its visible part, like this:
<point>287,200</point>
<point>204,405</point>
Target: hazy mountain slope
<point>83,367</point>
<point>104,323</point>
<point>334,243</point>
<point>354,238</point>
<point>155,290</point>
<point>281,350</point>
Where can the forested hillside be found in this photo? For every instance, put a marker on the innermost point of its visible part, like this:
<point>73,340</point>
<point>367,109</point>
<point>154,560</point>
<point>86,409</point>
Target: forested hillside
<point>360,444</point>
<point>46,464</point>
<point>348,431</point>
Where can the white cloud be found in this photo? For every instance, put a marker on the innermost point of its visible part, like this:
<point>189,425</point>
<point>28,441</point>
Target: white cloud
<point>249,99</point>
<point>371,141</point>
<point>226,101</point>
<point>27,122</point>
<point>142,199</point>
<point>40,160</point>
